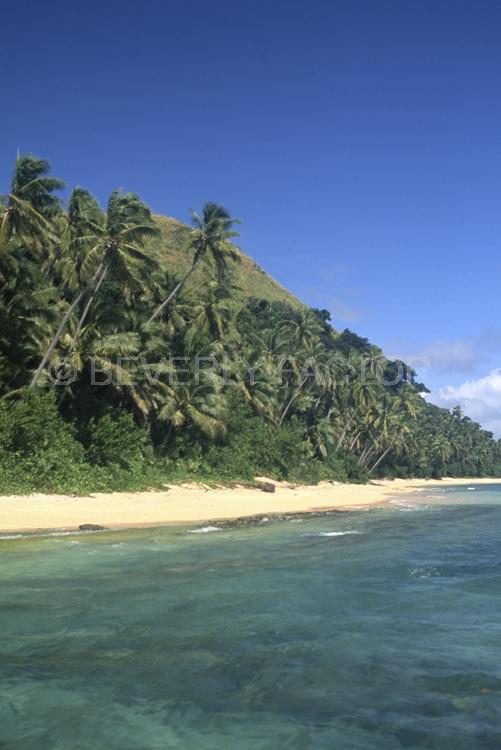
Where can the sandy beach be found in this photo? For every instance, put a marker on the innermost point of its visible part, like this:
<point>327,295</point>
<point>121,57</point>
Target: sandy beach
<point>192,504</point>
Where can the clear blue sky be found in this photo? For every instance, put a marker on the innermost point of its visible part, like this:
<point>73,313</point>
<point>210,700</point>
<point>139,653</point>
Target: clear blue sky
<point>359,141</point>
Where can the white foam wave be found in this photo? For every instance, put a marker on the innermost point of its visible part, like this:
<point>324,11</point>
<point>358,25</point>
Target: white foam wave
<point>405,506</point>
<point>337,533</point>
<point>430,572</point>
<point>204,530</point>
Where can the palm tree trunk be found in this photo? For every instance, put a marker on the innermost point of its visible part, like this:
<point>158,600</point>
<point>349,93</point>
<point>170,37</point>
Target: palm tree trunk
<point>89,302</point>
<point>352,444</point>
<point>380,458</point>
<point>343,435</point>
<point>172,294</point>
<point>61,328</point>
<point>55,340</point>
<point>368,456</point>
<point>291,401</point>
<point>365,452</point>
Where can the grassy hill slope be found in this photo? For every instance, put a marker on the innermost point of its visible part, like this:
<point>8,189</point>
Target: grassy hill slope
<point>250,277</point>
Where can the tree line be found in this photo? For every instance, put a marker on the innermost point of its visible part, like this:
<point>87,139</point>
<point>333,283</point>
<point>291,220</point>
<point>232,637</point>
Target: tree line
<point>85,288</point>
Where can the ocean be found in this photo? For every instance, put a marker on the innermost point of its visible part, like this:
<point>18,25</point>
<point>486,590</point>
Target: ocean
<point>364,630</point>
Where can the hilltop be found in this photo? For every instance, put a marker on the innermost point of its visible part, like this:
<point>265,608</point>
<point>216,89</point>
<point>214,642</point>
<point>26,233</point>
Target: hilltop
<point>252,280</point>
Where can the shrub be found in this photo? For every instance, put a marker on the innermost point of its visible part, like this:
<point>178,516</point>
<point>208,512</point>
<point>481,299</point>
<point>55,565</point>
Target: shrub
<point>115,438</point>
<point>30,424</point>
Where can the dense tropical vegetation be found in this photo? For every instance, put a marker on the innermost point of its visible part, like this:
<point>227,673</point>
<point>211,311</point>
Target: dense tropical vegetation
<point>119,369</point>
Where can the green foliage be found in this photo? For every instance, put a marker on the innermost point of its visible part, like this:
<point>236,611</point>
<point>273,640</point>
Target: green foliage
<point>39,451</point>
<point>144,301</point>
<point>30,424</point>
<point>114,438</point>
<point>254,447</point>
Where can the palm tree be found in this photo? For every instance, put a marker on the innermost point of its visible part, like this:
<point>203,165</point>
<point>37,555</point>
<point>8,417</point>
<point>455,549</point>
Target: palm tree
<point>256,378</point>
<point>302,332</point>
<point>30,206</point>
<point>215,314</point>
<point>28,233</point>
<point>322,435</point>
<point>310,368</point>
<point>211,240</point>
<point>118,251</point>
<point>83,223</point>
<point>104,350</point>
<point>193,394</point>
<point>441,449</point>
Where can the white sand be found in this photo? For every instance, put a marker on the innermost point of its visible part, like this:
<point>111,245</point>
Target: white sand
<point>188,504</point>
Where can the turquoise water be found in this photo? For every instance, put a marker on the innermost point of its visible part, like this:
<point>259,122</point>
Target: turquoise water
<point>364,630</point>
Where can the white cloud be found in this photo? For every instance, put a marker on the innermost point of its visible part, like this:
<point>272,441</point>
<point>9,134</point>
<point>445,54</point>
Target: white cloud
<point>480,399</point>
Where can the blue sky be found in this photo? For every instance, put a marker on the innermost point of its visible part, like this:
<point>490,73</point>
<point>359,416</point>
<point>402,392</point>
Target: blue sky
<point>359,142</point>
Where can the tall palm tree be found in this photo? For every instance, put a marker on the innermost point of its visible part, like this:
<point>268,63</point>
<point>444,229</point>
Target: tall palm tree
<point>211,240</point>
<point>28,300</point>
<point>118,251</point>
<point>84,222</point>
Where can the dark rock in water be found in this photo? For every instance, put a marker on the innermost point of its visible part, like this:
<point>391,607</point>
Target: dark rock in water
<point>266,486</point>
<point>91,527</point>
<point>243,521</point>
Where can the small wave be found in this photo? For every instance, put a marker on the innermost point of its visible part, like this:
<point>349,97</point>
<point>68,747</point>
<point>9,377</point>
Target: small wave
<point>471,488</point>
<point>337,533</point>
<point>430,572</point>
<point>205,530</point>
<point>405,506</point>
<point>43,535</point>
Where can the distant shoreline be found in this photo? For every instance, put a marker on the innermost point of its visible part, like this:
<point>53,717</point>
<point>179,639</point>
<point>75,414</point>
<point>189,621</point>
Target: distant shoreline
<point>189,504</point>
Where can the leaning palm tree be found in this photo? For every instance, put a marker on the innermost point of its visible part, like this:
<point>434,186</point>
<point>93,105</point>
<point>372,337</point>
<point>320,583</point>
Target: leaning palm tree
<point>84,223</point>
<point>211,240</point>
<point>119,252</point>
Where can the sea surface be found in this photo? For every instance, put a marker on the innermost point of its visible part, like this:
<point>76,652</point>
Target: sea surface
<point>367,630</point>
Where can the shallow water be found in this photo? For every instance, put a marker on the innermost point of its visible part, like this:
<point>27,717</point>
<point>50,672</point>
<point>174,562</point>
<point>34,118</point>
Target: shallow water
<point>369,630</point>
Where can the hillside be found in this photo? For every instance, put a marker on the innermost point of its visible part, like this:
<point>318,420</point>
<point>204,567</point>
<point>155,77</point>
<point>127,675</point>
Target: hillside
<point>113,376</point>
<point>252,280</point>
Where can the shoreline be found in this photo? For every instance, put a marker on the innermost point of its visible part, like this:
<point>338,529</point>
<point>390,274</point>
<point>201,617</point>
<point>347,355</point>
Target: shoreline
<point>190,504</point>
